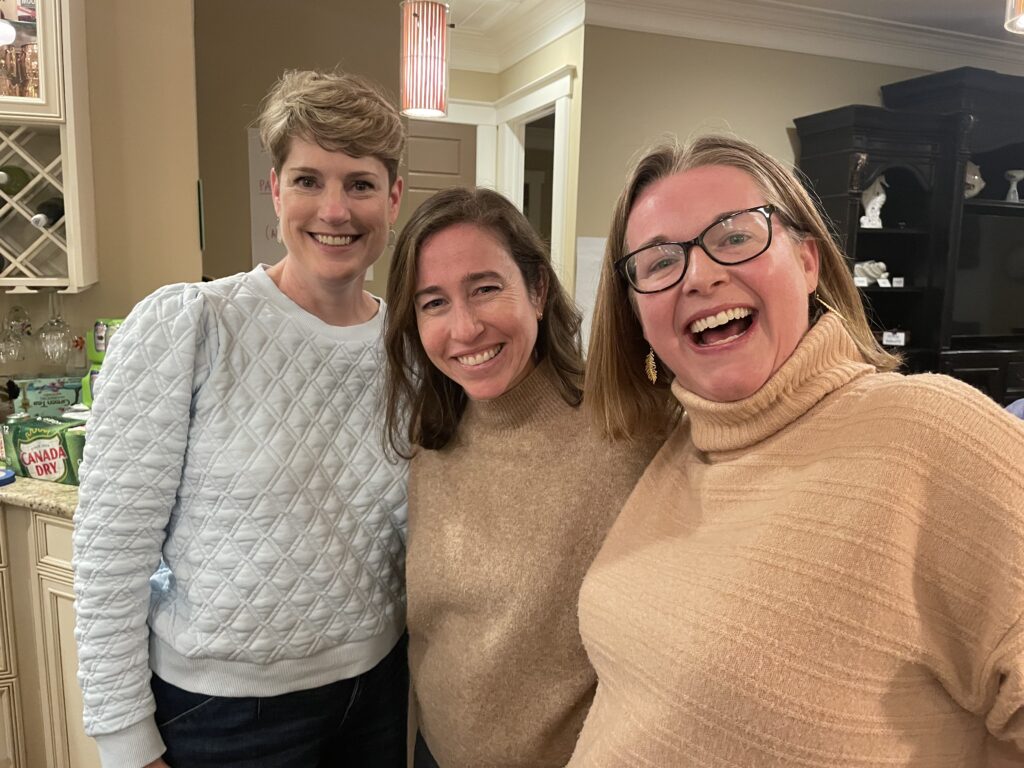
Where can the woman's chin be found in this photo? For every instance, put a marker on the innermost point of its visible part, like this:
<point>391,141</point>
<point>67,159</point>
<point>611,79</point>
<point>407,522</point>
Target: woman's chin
<point>725,389</point>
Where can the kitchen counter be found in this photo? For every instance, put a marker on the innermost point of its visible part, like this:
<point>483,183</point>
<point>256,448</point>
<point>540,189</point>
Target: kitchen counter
<point>52,498</point>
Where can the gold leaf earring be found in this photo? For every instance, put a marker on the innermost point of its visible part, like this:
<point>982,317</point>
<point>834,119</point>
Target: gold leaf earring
<point>650,367</point>
<point>816,297</point>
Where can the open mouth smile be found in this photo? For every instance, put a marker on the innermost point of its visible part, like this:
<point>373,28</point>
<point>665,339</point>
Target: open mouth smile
<point>479,358</point>
<point>721,327</point>
<point>334,239</point>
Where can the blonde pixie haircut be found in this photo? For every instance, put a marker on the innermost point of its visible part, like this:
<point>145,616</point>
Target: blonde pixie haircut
<point>622,402</point>
<point>338,111</point>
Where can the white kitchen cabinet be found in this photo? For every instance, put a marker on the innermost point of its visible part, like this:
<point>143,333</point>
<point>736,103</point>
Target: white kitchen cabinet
<point>45,148</point>
<point>49,703</point>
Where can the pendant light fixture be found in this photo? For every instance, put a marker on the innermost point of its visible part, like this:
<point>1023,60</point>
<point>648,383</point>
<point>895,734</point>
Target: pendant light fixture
<point>1015,16</point>
<point>425,58</point>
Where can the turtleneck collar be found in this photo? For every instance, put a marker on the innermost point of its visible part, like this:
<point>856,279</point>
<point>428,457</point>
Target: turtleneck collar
<point>534,397</point>
<point>824,360</point>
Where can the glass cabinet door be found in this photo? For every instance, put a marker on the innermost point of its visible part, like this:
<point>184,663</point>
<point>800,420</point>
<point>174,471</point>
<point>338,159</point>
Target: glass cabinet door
<point>30,61</point>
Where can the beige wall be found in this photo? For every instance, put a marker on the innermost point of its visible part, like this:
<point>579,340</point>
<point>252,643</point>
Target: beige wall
<point>640,86</point>
<point>472,86</point>
<point>143,120</point>
<point>242,46</point>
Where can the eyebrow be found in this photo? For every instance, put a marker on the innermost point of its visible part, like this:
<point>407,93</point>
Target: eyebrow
<point>317,172</point>
<point>657,239</point>
<point>472,277</point>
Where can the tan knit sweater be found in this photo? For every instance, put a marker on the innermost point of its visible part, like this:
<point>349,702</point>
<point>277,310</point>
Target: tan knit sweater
<point>828,573</point>
<point>502,526</point>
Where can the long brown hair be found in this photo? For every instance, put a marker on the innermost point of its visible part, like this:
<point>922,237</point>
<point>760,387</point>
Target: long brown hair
<point>622,402</point>
<point>423,406</point>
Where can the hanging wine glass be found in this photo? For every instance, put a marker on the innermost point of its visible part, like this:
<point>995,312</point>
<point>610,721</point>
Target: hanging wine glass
<point>19,321</point>
<point>16,325</point>
<point>11,349</point>
<point>55,335</point>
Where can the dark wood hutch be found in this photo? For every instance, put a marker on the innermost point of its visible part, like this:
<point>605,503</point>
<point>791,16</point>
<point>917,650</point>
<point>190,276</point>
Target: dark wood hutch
<point>960,309</point>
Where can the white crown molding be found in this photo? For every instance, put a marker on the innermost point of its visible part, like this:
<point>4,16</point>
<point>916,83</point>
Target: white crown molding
<point>524,34</point>
<point>787,27</point>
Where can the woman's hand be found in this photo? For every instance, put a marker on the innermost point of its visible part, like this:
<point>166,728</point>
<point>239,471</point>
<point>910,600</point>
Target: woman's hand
<point>158,763</point>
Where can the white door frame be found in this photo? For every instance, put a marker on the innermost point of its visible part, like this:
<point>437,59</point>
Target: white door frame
<point>500,143</point>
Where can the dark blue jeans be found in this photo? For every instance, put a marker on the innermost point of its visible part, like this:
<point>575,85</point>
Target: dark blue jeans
<point>355,723</point>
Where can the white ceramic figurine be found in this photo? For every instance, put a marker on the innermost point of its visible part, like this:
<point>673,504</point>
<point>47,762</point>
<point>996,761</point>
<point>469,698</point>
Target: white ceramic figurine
<point>873,198</point>
<point>973,183</point>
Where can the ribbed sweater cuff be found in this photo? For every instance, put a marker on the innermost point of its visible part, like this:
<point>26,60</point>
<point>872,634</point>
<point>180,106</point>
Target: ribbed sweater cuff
<point>135,746</point>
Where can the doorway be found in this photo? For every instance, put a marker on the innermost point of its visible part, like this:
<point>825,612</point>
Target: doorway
<point>538,173</point>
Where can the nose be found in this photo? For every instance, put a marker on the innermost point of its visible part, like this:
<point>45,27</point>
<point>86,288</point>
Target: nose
<point>466,326</point>
<point>703,274</point>
<point>334,205</point>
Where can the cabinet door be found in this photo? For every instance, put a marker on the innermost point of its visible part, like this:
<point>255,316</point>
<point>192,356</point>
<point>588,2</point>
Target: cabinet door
<point>30,65</point>
<point>12,753</point>
<point>7,668</point>
<point>68,746</point>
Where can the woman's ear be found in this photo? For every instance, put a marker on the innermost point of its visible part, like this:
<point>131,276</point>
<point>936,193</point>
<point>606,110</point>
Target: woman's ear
<point>810,261</point>
<point>539,295</point>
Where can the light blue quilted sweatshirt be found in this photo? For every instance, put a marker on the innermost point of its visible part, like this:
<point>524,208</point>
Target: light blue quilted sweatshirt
<point>238,438</point>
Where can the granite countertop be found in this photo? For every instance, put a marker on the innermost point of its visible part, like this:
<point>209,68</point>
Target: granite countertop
<point>52,498</point>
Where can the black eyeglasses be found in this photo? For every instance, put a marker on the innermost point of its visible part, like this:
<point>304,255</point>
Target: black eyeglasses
<point>732,239</point>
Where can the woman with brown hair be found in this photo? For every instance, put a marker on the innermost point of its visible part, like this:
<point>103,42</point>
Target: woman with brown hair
<point>823,564</point>
<point>510,492</point>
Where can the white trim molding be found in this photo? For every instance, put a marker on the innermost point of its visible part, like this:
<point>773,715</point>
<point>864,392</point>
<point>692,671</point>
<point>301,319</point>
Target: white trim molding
<point>516,39</point>
<point>500,150</point>
<point>802,29</point>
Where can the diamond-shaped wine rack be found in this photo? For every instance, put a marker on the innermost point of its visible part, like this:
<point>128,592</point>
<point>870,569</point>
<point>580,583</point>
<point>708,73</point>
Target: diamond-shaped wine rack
<point>32,255</point>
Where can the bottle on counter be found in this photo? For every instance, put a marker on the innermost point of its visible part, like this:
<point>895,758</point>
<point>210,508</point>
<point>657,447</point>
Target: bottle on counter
<point>49,212</point>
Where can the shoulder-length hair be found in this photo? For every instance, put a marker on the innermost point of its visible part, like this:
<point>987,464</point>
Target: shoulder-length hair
<point>621,400</point>
<point>420,400</point>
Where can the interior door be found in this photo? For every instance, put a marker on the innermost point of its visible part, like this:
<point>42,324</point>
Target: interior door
<point>438,156</point>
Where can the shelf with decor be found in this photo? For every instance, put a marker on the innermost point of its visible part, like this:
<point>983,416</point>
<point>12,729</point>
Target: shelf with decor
<point>47,214</point>
<point>869,231</point>
<point>993,208</point>
<point>949,147</point>
<point>846,152</point>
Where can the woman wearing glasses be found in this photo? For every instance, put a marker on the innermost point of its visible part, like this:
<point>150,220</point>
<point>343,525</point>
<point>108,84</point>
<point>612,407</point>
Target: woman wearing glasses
<point>824,565</point>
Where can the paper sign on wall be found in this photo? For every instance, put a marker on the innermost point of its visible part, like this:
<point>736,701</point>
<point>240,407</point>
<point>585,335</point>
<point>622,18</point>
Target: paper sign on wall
<point>263,220</point>
<point>589,257</point>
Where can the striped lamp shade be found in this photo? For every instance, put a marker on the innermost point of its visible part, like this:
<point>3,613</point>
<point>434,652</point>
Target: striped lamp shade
<point>1015,16</point>
<point>424,58</point>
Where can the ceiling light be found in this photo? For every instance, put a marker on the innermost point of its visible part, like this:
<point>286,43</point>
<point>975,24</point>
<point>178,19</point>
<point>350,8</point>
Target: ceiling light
<point>425,58</point>
<point>1015,16</point>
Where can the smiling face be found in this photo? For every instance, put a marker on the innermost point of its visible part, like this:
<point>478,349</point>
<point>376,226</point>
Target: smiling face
<point>724,330</point>
<point>477,319</point>
<point>334,210</point>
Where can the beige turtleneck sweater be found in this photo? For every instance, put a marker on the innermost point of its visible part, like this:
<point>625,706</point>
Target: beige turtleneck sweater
<point>828,573</point>
<point>503,524</point>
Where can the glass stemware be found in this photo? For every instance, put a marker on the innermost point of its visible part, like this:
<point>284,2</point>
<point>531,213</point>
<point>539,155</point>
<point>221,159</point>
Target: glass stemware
<point>11,349</point>
<point>15,327</point>
<point>55,335</point>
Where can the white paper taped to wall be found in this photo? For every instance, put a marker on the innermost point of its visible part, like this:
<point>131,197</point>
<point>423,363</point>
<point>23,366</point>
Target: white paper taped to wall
<point>589,255</point>
<point>263,220</point>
